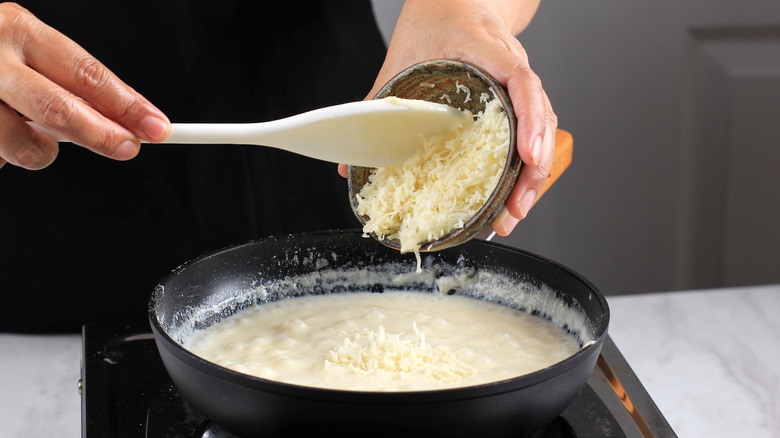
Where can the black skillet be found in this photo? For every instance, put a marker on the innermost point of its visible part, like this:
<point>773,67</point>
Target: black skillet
<point>189,299</point>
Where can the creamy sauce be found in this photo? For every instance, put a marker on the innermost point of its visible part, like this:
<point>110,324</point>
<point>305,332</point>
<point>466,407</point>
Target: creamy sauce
<point>395,341</point>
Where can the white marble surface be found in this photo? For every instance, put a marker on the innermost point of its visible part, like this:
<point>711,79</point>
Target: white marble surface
<point>708,358</point>
<point>39,386</point>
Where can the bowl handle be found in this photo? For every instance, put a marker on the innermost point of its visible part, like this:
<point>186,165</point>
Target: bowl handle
<point>564,145</point>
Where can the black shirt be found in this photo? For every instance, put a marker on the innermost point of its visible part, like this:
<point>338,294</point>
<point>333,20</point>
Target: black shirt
<point>88,238</point>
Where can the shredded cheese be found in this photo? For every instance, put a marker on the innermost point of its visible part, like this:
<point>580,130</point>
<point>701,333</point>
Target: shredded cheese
<point>460,87</point>
<point>367,351</point>
<point>441,187</point>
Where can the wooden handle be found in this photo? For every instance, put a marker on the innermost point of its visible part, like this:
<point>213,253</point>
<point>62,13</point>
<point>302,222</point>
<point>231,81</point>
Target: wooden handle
<point>564,145</point>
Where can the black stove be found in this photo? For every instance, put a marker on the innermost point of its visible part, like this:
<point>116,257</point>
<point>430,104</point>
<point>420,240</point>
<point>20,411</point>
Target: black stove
<point>127,393</point>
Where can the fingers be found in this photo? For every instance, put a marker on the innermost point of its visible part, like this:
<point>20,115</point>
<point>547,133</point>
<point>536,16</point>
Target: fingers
<point>505,223</point>
<point>65,63</point>
<point>57,109</point>
<point>51,80</point>
<point>528,187</point>
<point>531,107</point>
<point>21,145</point>
<point>536,126</point>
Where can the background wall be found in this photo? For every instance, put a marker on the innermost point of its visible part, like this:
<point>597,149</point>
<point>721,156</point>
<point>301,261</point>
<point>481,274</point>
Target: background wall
<point>675,112</point>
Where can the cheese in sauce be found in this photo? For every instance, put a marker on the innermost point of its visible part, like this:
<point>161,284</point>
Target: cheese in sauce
<point>395,341</point>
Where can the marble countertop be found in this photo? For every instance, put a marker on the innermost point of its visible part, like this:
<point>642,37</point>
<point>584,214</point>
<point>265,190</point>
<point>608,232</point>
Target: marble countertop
<point>708,358</point>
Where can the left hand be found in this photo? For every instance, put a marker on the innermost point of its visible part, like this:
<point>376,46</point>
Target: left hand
<point>51,80</point>
<point>483,33</point>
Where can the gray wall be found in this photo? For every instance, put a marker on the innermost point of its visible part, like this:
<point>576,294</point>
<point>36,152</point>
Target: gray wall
<point>674,108</point>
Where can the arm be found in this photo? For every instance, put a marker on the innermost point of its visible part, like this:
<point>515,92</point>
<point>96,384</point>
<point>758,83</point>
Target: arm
<point>47,78</point>
<point>483,33</point>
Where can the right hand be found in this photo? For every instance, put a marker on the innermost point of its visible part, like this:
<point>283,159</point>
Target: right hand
<point>483,33</point>
<point>49,79</point>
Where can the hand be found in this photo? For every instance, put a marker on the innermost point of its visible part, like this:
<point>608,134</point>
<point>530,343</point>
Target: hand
<point>483,33</point>
<point>49,79</point>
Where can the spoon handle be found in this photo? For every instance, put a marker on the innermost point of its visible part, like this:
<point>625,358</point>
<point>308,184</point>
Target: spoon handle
<point>212,133</point>
<point>372,133</point>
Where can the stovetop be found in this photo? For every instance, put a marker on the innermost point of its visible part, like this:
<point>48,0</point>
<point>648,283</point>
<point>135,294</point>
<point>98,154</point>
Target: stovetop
<point>127,393</point>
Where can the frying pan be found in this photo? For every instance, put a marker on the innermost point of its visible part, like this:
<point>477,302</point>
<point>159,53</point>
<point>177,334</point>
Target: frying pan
<point>216,286</point>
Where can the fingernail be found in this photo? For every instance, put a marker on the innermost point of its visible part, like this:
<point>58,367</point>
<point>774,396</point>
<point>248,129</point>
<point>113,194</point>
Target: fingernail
<point>526,202</point>
<point>154,127</point>
<point>508,224</point>
<point>536,149</point>
<point>126,151</point>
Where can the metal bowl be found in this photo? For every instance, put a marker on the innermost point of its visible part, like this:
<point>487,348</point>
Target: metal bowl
<point>431,81</point>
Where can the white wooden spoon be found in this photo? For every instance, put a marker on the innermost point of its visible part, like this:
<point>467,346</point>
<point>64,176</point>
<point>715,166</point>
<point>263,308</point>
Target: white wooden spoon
<point>372,133</point>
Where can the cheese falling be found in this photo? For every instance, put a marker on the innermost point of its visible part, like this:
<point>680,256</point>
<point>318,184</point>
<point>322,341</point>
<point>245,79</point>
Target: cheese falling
<point>441,187</point>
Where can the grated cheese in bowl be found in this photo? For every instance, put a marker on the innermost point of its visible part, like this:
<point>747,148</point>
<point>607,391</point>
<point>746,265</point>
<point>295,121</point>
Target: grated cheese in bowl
<point>441,187</point>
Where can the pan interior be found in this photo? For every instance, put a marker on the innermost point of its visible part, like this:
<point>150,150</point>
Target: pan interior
<point>321,278</point>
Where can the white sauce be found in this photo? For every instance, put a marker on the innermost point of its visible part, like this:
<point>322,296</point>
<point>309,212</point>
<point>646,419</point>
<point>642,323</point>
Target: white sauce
<point>395,341</point>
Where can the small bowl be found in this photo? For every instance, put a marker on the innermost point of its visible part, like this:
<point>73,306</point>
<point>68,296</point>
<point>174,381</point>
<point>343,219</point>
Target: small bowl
<point>430,81</point>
